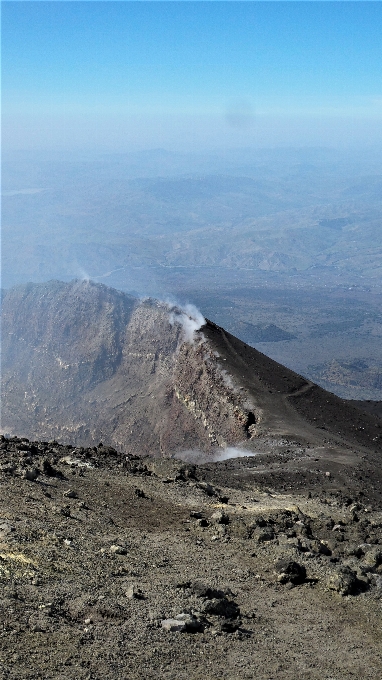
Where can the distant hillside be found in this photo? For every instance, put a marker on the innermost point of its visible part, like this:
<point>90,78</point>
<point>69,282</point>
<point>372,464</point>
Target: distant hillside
<point>374,407</point>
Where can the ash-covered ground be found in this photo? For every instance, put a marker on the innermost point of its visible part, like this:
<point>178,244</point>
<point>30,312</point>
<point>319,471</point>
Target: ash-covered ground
<point>118,567</point>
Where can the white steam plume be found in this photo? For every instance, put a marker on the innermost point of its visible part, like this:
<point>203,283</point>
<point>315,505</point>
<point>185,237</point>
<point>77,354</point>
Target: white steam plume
<point>84,276</point>
<point>190,318</point>
<point>199,457</point>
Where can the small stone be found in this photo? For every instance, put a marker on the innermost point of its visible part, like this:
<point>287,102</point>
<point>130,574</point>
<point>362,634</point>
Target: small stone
<point>8,468</point>
<point>324,549</point>
<point>133,592</point>
<point>47,468</point>
<point>70,494</point>
<point>264,536</point>
<point>239,529</point>
<point>37,628</point>
<point>230,625</point>
<point>173,625</point>
<point>31,474</point>
<point>196,514</point>
<point>221,607</point>
<point>204,486</point>
<point>140,493</point>
<point>290,571</point>
<point>87,621</point>
<point>378,582</point>
<point>202,523</point>
<point>118,550</point>
<point>202,590</point>
<point>328,474</point>
<point>373,558</point>
<point>219,517</point>
<point>344,581</point>
<point>192,623</point>
<point>6,528</point>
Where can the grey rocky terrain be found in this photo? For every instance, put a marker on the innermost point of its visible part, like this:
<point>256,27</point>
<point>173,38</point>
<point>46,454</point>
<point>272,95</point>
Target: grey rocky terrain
<point>116,566</point>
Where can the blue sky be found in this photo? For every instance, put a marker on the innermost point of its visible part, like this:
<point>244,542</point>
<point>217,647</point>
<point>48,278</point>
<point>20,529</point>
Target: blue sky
<point>120,75</point>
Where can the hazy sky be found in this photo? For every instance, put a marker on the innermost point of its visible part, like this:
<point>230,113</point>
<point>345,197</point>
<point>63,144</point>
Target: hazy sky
<point>187,75</point>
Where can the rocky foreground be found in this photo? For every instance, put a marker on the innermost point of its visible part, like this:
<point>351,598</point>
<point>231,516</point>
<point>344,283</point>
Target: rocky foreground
<point>119,567</point>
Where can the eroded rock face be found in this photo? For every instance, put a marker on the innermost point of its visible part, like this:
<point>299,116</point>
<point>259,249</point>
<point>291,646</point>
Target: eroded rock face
<point>83,362</point>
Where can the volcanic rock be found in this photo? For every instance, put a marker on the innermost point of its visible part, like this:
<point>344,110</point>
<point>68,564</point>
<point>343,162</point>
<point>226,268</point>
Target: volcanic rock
<point>344,581</point>
<point>290,571</point>
<point>220,607</point>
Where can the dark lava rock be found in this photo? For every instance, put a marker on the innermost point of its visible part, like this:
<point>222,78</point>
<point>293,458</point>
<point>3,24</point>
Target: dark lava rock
<point>344,581</point>
<point>221,607</point>
<point>31,474</point>
<point>48,470</point>
<point>202,590</point>
<point>230,625</point>
<point>139,493</point>
<point>202,522</point>
<point>290,571</point>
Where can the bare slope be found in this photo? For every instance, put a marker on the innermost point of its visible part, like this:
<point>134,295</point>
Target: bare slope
<point>85,363</point>
<point>290,403</point>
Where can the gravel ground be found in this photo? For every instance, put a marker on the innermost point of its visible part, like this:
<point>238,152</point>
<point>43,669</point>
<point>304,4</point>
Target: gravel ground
<point>116,567</point>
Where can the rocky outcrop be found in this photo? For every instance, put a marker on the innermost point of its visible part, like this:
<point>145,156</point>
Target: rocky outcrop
<point>85,363</point>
